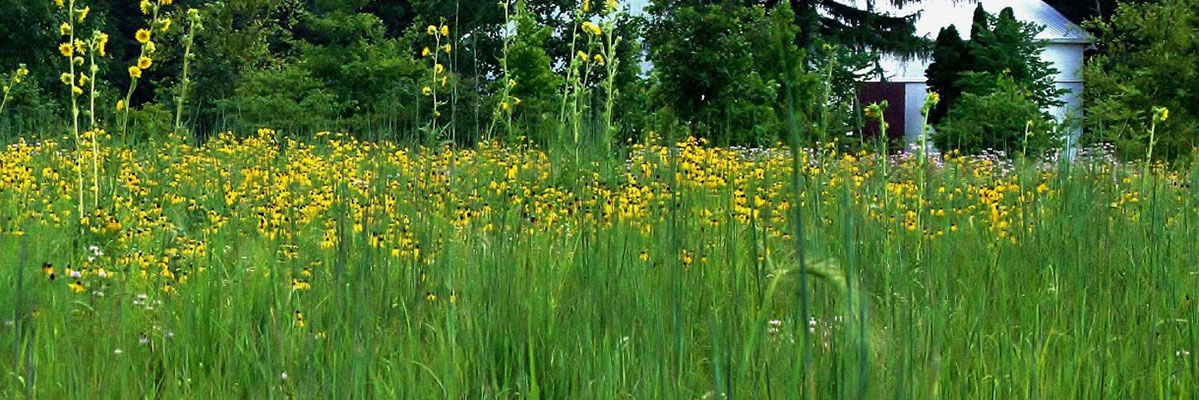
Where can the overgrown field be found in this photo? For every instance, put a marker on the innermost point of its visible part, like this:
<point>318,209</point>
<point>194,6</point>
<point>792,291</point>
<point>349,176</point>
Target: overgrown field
<point>269,268</point>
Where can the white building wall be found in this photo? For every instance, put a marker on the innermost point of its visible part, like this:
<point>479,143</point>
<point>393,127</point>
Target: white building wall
<point>914,94</point>
<point>1067,58</point>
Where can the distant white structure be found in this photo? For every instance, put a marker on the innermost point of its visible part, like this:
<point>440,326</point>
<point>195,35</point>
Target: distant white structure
<point>904,84</point>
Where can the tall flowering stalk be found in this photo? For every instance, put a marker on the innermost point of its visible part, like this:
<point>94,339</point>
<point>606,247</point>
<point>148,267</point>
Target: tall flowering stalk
<point>579,69</point>
<point>877,112</point>
<point>611,41</point>
<point>504,109</point>
<point>97,45</point>
<point>930,102</point>
<point>439,77</point>
<point>144,61</point>
<point>193,24</point>
<point>1160,114</point>
<point>18,76</point>
<point>73,49</point>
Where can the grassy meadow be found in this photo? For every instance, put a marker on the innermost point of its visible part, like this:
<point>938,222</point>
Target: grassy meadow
<point>265,267</point>
<point>520,231</point>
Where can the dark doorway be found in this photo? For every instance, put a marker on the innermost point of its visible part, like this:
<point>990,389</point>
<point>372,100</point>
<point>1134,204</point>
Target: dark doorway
<point>893,94</point>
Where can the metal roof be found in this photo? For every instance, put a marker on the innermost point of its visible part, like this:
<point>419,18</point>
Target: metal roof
<point>936,14</point>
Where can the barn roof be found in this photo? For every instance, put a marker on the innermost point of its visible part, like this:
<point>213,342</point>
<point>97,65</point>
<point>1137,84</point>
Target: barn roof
<point>936,14</point>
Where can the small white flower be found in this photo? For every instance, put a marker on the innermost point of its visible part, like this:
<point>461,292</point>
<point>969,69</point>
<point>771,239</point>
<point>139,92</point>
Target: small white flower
<point>283,376</point>
<point>118,351</point>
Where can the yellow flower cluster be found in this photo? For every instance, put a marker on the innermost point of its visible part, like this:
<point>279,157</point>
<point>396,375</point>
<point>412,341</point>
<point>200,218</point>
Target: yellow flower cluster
<point>592,28</point>
<point>313,199</point>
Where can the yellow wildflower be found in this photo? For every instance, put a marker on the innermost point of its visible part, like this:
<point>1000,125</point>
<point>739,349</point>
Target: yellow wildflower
<point>66,78</point>
<point>438,68</point>
<point>432,30</point>
<point>64,29</point>
<point>100,43</point>
<point>135,72</point>
<point>611,5</point>
<point>592,28</point>
<point>66,49</point>
<point>144,62</point>
<point>166,24</point>
<point>298,284</point>
<point>143,36</point>
<point>933,97</point>
<point>599,59</point>
<point>445,30</point>
<point>77,287</point>
<point>425,52</point>
<point>427,91</point>
<point>83,13</point>
<point>145,7</point>
<point>120,105</point>
<point>1162,114</point>
<point>447,48</point>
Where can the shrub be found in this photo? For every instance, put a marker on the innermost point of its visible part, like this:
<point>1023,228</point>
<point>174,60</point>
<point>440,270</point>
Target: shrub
<point>1007,118</point>
<point>288,98</point>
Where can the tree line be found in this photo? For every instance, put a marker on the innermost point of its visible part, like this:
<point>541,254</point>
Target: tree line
<point>721,70</point>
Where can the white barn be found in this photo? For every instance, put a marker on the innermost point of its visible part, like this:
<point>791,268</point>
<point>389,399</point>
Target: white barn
<point>904,83</point>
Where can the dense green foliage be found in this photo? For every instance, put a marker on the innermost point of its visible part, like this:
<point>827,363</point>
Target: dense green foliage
<point>1003,118</point>
<point>354,65</point>
<point>999,81</point>
<point>1149,58</point>
<point>709,79</point>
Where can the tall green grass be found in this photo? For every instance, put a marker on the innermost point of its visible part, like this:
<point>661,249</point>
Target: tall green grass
<point>1089,300</point>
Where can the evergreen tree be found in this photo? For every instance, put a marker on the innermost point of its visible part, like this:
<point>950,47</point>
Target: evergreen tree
<point>857,26</point>
<point>950,56</point>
